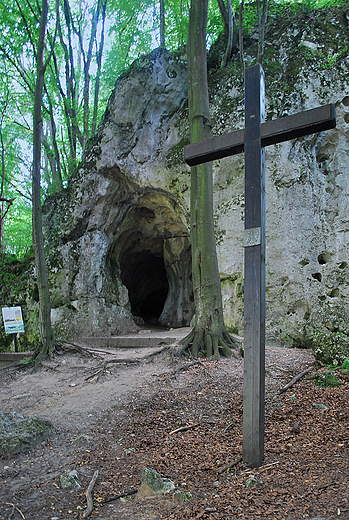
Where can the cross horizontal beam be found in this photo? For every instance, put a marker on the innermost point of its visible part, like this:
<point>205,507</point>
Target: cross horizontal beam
<point>272,132</point>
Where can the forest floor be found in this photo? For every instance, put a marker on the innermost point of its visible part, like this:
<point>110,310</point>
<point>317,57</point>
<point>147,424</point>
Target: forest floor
<point>122,420</point>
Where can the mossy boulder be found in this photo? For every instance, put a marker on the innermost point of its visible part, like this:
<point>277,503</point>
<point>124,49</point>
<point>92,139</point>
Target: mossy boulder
<point>19,434</point>
<point>70,480</point>
<point>152,484</point>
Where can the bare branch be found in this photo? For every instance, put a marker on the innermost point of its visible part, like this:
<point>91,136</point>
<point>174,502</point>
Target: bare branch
<point>295,379</point>
<point>184,429</point>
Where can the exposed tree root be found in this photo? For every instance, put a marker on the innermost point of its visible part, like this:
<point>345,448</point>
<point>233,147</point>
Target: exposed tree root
<point>102,370</point>
<point>16,366</point>
<point>229,465</point>
<point>88,494</point>
<point>209,345</point>
<point>39,355</point>
<point>122,495</point>
<point>54,369</point>
<point>187,367</point>
<point>107,362</point>
<point>74,348</point>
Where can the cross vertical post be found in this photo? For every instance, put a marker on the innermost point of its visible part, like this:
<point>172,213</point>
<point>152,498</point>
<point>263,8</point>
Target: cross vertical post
<point>252,140</point>
<point>254,285</point>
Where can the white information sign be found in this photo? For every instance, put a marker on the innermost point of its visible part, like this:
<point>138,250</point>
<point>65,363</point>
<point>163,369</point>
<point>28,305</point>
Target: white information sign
<point>13,320</point>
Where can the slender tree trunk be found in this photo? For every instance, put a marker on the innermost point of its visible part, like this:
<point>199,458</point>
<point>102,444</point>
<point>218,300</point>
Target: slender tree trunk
<point>87,64</point>
<point>262,22</point>
<point>224,14</point>
<point>231,31</point>
<point>46,333</point>
<point>2,202</point>
<point>57,181</point>
<point>241,36</point>
<point>209,337</point>
<point>71,82</point>
<point>162,24</point>
<point>99,69</point>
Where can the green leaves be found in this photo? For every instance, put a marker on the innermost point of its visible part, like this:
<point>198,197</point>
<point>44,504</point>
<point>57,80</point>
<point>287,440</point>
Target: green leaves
<point>345,366</point>
<point>328,379</point>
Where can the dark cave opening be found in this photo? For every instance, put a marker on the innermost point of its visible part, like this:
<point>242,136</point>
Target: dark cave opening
<point>144,275</point>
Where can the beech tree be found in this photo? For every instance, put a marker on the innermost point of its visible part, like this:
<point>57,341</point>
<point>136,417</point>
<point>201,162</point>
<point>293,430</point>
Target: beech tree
<point>46,332</point>
<point>209,337</point>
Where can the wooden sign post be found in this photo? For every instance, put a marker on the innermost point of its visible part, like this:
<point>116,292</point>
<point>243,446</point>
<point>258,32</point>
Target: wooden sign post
<point>252,140</point>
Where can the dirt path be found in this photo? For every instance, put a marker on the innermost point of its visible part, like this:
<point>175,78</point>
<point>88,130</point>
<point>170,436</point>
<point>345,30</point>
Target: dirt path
<point>119,423</point>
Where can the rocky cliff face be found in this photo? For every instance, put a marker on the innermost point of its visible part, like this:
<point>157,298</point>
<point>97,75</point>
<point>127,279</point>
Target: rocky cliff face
<point>118,245</point>
<point>118,237</point>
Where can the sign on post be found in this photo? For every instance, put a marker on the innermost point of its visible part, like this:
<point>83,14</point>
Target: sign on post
<point>13,322</point>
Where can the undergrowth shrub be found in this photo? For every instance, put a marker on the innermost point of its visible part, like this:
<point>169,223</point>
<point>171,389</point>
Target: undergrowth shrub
<point>330,348</point>
<point>328,379</point>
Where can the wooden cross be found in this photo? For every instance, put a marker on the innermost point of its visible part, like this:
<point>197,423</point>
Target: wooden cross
<point>252,140</point>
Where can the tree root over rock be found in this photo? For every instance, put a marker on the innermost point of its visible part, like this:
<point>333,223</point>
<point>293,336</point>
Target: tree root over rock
<point>75,349</point>
<point>210,345</point>
<point>119,361</point>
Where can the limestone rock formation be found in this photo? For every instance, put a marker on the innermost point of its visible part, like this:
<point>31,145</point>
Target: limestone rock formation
<point>118,248</point>
<point>118,237</point>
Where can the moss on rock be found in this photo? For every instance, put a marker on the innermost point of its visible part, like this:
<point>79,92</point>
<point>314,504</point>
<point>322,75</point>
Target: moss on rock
<point>19,433</point>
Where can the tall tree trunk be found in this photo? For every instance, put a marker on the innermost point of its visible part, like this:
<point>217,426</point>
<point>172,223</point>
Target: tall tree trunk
<point>241,36</point>
<point>2,202</point>
<point>209,337</point>
<point>99,69</point>
<point>162,24</point>
<point>46,333</point>
<point>2,184</point>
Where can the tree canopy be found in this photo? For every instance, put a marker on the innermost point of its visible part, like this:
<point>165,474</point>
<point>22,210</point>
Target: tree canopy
<point>89,44</point>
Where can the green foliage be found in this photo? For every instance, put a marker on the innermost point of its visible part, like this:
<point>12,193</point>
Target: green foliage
<point>328,379</point>
<point>14,289</point>
<point>18,234</point>
<point>26,361</point>
<point>345,366</point>
<point>133,30</point>
<point>135,26</point>
<point>330,348</point>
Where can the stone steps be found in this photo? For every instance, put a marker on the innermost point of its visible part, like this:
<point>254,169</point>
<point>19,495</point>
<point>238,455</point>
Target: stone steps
<point>12,358</point>
<point>142,339</point>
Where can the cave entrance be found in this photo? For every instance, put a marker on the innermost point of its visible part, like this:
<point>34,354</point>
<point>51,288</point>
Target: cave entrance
<point>151,254</point>
<point>144,275</point>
